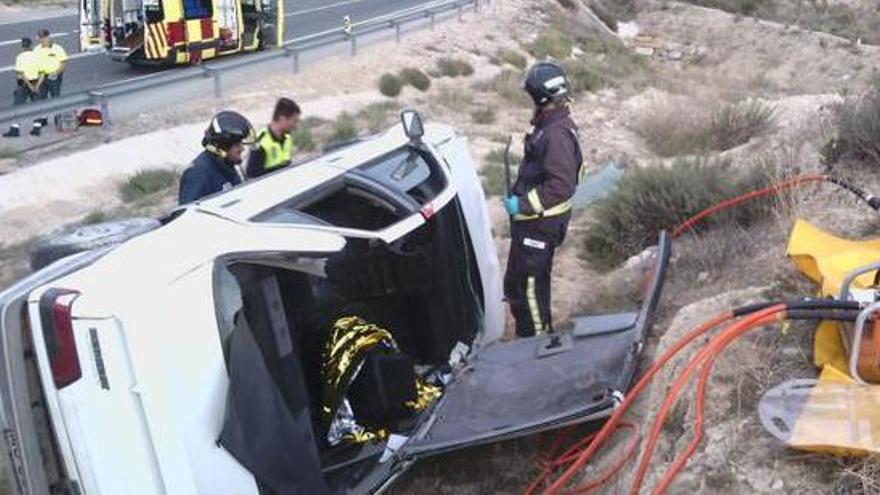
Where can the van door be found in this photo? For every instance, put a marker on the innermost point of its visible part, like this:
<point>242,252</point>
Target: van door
<point>91,25</point>
<point>512,389</point>
<point>272,29</point>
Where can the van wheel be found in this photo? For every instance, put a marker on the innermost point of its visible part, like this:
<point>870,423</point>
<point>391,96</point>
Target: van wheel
<point>86,238</point>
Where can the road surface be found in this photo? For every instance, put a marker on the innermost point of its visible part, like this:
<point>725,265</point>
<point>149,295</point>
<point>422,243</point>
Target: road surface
<point>87,71</point>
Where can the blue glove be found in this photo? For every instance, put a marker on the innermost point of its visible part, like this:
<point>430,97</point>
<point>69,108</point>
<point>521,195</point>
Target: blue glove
<point>511,203</point>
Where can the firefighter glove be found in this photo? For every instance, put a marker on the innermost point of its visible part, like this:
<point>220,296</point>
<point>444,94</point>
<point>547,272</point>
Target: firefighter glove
<point>511,203</point>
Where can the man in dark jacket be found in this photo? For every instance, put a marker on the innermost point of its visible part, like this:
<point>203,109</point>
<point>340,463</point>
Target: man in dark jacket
<point>216,168</point>
<point>540,200</point>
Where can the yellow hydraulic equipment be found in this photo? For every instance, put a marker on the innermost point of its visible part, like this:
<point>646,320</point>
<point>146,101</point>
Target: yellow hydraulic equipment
<point>840,412</point>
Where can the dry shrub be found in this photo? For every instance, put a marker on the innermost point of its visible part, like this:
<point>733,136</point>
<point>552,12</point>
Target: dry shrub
<point>513,58</point>
<point>857,126</point>
<point>416,78</point>
<point>146,183</point>
<point>390,85</point>
<point>678,126</point>
<point>657,197</point>
<point>675,126</point>
<point>454,67</point>
<point>736,123</point>
<point>552,43</point>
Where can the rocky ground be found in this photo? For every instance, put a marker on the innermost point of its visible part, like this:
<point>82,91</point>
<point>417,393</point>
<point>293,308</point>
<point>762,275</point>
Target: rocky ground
<point>680,60</point>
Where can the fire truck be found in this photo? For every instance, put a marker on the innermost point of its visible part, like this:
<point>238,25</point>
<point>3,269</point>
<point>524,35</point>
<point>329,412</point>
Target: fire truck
<point>173,32</point>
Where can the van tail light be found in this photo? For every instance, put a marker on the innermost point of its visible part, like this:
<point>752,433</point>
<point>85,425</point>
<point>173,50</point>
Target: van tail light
<point>175,33</point>
<point>58,333</point>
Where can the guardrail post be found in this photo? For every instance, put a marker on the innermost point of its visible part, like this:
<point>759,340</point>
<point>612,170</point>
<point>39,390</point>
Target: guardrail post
<point>101,100</point>
<point>354,45</point>
<point>396,30</point>
<point>215,75</point>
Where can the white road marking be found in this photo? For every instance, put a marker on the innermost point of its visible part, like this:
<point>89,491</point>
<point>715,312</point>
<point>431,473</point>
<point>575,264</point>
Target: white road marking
<point>53,35</point>
<point>35,19</point>
<point>324,7</point>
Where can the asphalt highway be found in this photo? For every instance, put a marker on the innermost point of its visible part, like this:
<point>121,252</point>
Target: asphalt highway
<point>92,70</point>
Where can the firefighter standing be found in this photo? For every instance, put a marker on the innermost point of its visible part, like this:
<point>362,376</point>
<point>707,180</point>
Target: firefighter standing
<point>216,168</point>
<point>540,200</point>
<point>53,59</point>
<point>29,84</point>
<point>274,146</point>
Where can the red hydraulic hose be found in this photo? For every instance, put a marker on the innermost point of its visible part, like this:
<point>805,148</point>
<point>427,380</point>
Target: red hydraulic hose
<point>611,425</point>
<point>705,374</point>
<point>767,191</point>
<point>728,334</point>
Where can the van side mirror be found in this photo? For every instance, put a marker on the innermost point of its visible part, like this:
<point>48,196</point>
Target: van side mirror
<point>412,125</point>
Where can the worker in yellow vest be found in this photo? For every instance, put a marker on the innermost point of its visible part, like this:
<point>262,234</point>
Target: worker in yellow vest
<point>53,59</point>
<point>274,145</point>
<point>29,84</point>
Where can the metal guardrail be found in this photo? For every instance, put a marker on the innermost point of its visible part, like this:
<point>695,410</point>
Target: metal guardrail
<point>292,48</point>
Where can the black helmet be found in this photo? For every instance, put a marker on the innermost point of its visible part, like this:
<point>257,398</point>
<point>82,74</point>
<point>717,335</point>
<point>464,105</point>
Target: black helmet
<point>227,129</point>
<point>546,82</point>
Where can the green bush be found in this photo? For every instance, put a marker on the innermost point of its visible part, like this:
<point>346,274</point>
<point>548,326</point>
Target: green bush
<point>344,128</point>
<point>146,183</point>
<point>94,217</point>
<point>484,116</point>
<point>583,75</point>
<point>493,171</point>
<point>508,85</point>
<point>454,67</point>
<point>377,115</point>
<point>416,78</point>
<point>513,58</point>
<point>496,156</point>
<point>675,128</point>
<point>736,123</point>
<point>303,140</point>
<point>493,179</point>
<point>652,198</point>
<point>857,127</point>
<point>552,43</point>
<point>390,85</point>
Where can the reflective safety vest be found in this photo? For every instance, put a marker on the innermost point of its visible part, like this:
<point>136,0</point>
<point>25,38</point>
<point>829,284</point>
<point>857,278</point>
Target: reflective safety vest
<point>28,65</point>
<point>51,58</point>
<point>277,153</point>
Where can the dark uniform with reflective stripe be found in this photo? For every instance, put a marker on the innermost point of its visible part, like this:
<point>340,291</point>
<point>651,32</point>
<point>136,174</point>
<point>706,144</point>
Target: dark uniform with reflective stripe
<point>548,177</point>
<point>208,174</point>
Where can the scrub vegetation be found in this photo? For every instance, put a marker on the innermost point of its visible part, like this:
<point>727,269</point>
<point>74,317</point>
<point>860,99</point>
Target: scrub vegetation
<point>658,197</point>
<point>454,67</point>
<point>390,85</point>
<point>552,43</point>
<point>416,78</point>
<point>856,123</point>
<point>146,183</point>
<point>484,115</point>
<point>687,126</point>
<point>344,128</point>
